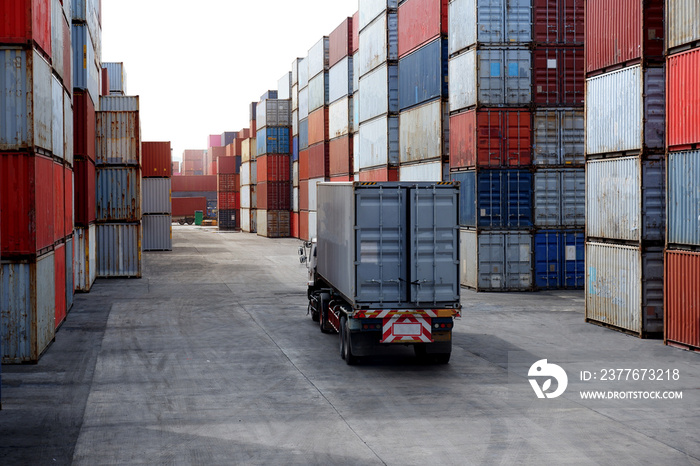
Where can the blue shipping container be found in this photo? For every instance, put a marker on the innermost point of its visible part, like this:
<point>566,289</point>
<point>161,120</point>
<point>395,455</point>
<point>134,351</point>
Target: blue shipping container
<point>684,197</point>
<point>423,74</point>
<point>86,75</point>
<point>497,198</point>
<point>559,259</point>
<point>295,148</point>
<point>269,95</point>
<point>118,194</point>
<point>273,140</point>
<point>303,134</point>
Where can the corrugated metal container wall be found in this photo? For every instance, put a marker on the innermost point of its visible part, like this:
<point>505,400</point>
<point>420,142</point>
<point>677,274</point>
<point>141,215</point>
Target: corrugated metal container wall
<point>245,174</point>
<point>379,42</point>
<point>496,261</point>
<point>370,9</point>
<point>379,174</point>
<point>424,171</point>
<point>303,135</point>
<point>626,199</point>
<point>424,132</point>
<point>490,138</point>
<point>559,22</point>
<point>273,195</point>
<point>379,92</point>
<point>284,87</point>
<point>423,74</point>
<point>118,138</point>
<point>273,140</point>
<point>624,287</point>
<point>379,142</point>
<point>272,168</point>
<point>340,42</point>
<point>559,259</point>
<point>117,78</point>
<point>340,118</point>
<point>273,112</point>
<point>558,137</point>
<point>57,117</point>
<point>59,203</point>
<point>57,37</point>
<point>681,29</point>
<point>67,72</point>
<point>26,100</point>
<point>304,225</point>
<point>683,99</point>
<point>28,302</point>
<point>84,192</point>
<point>318,126</point>
<point>86,74</point>
<point>621,31</point>
<point>194,183</point>
<point>318,92</point>
<point>560,198</point>
<point>59,257</point>
<point>318,57</point>
<point>295,174</point>
<point>313,193</point>
<point>303,70</point>
<point>420,21</point>
<point>489,22</point>
<point>295,200</point>
<point>84,119</point>
<point>355,72</point>
<point>70,286</point>
<point>684,198</point>
<point>245,197</point>
<point>273,224</point>
<point>118,195</point>
<point>157,233</point>
<point>492,77</point>
<point>245,220</point>
<point>69,219</point>
<point>355,33</point>
<point>340,80</point>
<point>25,22</point>
<point>68,129</point>
<point>303,103</point>
<point>340,156</point>
<point>155,195</point>
<point>156,159</point>
<point>118,250</point>
<point>559,76</point>
<point>682,298</point>
<point>304,195</point>
<point>319,160</point>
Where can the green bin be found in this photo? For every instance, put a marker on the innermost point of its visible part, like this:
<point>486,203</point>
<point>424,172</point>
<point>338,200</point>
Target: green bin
<point>198,217</point>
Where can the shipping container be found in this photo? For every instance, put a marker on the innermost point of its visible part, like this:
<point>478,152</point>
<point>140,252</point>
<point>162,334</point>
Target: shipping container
<point>186,206</point>
<point>85,192</point>
<point>682,299</point>
<point>319,163</point>
<point>118,250</point>
<point>681,30</point>
<point>370,9</point>
<point>118,138</point>
<point>622,32</point>
<point>57,39</point>
<point>59,257</point>
<point>684,198</point>
<point>313,224</point>
<point>59,202</point>
<point>273,195</point>
<point>379,93</point>
<point>626,199</point>
<point>27,299</point>
<point>117,78</point>
<point>294,224</point>
<point>423,74</point>
<point>303,134</point>
<point>340,44</point>
<point>273,223</point>
<point>637,121</point>
<point>303,103</point>
<point>249,149</point>
<point>295,199</point>
<point>490,78</point>
<point>273,140</point>
<point>157,233</point>
<point>683,108</point>
<point>227,137</point>
<point>495,199</point>
<point>274,112</point>
<point>560,198</point>
<point>355,73</point>
<point>156,159</point>
<point>68,154</point>
<point>423,171</point>
<point>85,256</point>
<point>27,184</point>
<point>228,219</point>
<point>424,132</point>
<point>27,22</point>
<point>284,87</point>
<point>558,260</point>
<point>26,99</point>
<point>269,94</point>
<point>340,118</point>
<point>244,219</point>
<point>234,149</point>
<point>194,183</point>
<point>340,156</point>
<point>380,42</point>
<point>559,76</point>
<point>304,225</point>
<point>295,148</point>
<point>70,287</point>
<point>304,195</point>
<point>494,23</point>
<point>68,196</point>
<point>295,173</point>
<point>84,119</point>
<point>86,12</point>
<point>558,22</point>
<point>57,117</point>
<point>228,183</point>
<point>355,33</point>
<point>378,143</point>
<point>156,195</point>
<point>119,103</point>
<point>624,287</point>
<point>229,165</point>
<point>318,92</point>
<point>313,194</point>
<point>104,90</point>
<point>496,260</point>
<point>253,220</point>
<point>118,196</point>
<point>421,21</point>
<point>245,174</point>
<point>318,57</point>
<point>295,124</point>
<point>245,197</point>
<point>340,80</point>
<point>558,137</point>
<point>318,126</point>
<point>87,75</point>
<point>273,167</point>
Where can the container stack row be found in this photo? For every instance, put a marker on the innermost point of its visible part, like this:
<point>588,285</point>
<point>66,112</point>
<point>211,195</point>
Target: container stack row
<point>625,164</point>
<point>294,226</point>
<point>192,193</point>
<point>193,162</point>
<point>229,191</point>
<point>157,207</point>
<point>248,214</point>
<point>682,261</point>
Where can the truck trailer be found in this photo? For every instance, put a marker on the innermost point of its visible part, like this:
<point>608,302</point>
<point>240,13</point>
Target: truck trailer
<point>384,268</point>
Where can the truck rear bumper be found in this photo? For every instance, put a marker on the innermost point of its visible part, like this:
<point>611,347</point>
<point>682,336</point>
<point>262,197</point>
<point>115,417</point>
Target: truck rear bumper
<point>367,343</point>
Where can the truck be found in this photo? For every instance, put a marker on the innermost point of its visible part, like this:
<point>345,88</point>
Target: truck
<point>384,266</point>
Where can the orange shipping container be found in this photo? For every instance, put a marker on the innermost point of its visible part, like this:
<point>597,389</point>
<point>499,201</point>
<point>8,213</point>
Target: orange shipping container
<point>380,174</point>
<point>340,155</point>
<point>303,195</point>
<point>682,299</point>
<point>304,164</point>
<point>304,225</point>
<point>342,178</point>
<point>318,160</point>
<point>318,126</point>
<point>294,220</point>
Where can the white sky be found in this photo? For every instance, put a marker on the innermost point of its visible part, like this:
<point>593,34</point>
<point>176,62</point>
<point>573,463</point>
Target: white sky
<point>197,65</point>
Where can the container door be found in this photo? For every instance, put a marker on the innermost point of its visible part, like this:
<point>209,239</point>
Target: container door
<point>434,237</point>
<point>381,245</point>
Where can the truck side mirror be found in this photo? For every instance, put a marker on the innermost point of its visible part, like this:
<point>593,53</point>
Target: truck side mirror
<point>302,259</point>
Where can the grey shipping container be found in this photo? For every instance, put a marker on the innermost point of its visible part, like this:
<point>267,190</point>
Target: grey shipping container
<point>117,78</point>
<point>85,256</point>
<point>119,250</point>
<point>684,198</point>
<point>378,143</point>
<point>559,137</point>
<point>118,194</point>
<point>57,129</point>
<point>86,72</point>
<point>119,103</point>
<point>118,137</point>
<point>379,42</point>
<point>155,195</point>
<point>284,87</point>
<point>682,26</point>
<point>340,80</point>
<point>318,57</point>
<point>274,112</point>
<point>496,260</point>
<point>424,132</point>
<point>560,198</point>
<point>390,245</point>
<point>157,233</point>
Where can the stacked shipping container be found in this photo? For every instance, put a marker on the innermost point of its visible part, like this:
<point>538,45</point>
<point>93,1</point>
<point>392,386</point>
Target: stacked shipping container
<point>186,187</point>
<point>157,206</point>
<point>294,94</point>
<point>229,192</point>
<point>248,179</point>
<point>625,169</point>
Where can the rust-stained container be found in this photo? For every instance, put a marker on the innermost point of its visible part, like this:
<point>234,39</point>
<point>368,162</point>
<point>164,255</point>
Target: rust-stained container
<point>26,22</point>
<point>274,195</point>
<point>69,201</point>
<point>273,167</point>
<point>85,255</point>
<point>559,76</point>
<point>27,184</point>
<point>118,194</point>
<point>84,118</point>
<point>683,100</point>
<point>273,223</point>
<point>491,138</point>
<point>319,163</point>
<point>59,284</point>
<point>682,299</point>
<point>228,200</point>
<point>318,126</point>
<point>67,72</point>
<point>59,203</point>
<point>340,156</point>
<point>185,206</point>
<point>118,250</point>
<point>27,300</point>
<point>304,225</point>
<point>421,21</point>
<point>424,132</point>
<point>623,32</point>
<point>104,75</point>
<point>340,43</point>
<point>85,192</point>
<point>228,183</point>
<point>380,174</point>
<point>558,22</point>
<point>156,161</point>
<point>194,183</point>
<point>118,137</point>
<point>304,164</point>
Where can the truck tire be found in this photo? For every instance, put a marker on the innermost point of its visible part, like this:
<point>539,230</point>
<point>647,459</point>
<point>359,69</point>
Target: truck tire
<point>323,314</point>
<point>442,358</point>
<point>350,359</point>
<point>343,323</point>
<point>313,312</point>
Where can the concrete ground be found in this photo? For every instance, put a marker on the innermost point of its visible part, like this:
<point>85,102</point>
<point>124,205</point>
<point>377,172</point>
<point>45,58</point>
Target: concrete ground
<point>211,359</point>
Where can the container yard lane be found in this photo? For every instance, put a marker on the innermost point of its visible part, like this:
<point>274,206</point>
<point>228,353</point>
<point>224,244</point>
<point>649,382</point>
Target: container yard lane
<point>210,359</point>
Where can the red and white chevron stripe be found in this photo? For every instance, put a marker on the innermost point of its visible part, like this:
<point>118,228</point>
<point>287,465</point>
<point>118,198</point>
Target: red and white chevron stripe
<point>383,314</point>
<point>406,329</point>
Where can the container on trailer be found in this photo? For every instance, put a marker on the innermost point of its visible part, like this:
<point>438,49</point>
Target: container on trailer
<point>340,80</point>
<point>424,132</point>
<point>340,156</point>
<point>274,112</point>
<point>319,163</point>
<point>186,206</point>
<point>682,299</point>
<point>380,42</point>
<point>85,191</point>
<point>118,194</point>
<point>340,43</point>
<point>683,73</point>
<point>422,171</point>
<point>624,287</point>
<point>558,137</point>
<point>157,232</point>
<point>273,223</point>
<point>558,259</point>
<point>118,138</point>
<point>379,92</point>
<point>318,57</point>
<point>340,118</point>
<point>156,195</point>
<point>379,142</point>
<point>318,92</point>
<point>560,197</point>
<point>27,22</point>
<point>423,74</point>
<point>156,159</point>
<point>558,22</point>
<point>558,76</point>
<point>496,260</point>
<point>683,198</point>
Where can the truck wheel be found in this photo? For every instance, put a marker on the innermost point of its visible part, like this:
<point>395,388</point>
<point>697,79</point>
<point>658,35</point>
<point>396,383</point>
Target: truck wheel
<point>442,358</point>
<point>323,313</point>
<point>181,221</point>
<point>350,359</point>
<point>343,323</point>
<point>314,313</point>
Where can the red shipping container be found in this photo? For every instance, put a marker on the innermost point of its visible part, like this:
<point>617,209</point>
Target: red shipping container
<point>185,206</point>
<point>59,258</point>
<point>83,126</point>
<point>273,167</point>
<point>682,298</point>
<point>304,225</point>
<point>190,154</point>
<point>68,205</point>
<point>622,32</point>
<point>26,204</point>
<point>559,77</point>
<point>228,200</point>
<point>342,178</point>
<point>340,42</point>
<point>491,138</point>
<point>228,183</point>
<point>420,21</point>
<point>304,195</point>
<point>319,163</point>
<point>294,222</point>
<point>176,168</point>
<point>274,195</point>
<point>253,127</point>
<point>26,21</point>
<point>105,82</point>
<point>59,203</point>
<point>683,100</point>
<point>67,54</point>
<point>304,164</point>
<point>559,22</point>
<point>318,126</point>
<point>156,159</point>
<point>214,168</point>
<point>355,32</point>
<point>84,198</point>
<point>340,152</point>
<point>229,165</point>
<point>380,174</point>
<point>235,148</point>
<point>205,183</point>
<point>216,152</point>
<point>244,134</point>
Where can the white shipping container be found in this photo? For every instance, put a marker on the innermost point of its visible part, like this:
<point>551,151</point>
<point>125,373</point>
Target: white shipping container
<point>245,197</point>
<point>295,123</point>
<point>57,129</point>
<point>624,287</point>
<point>340,80</point>
<point>295,174</point>
<point>245,220</point>
<point>356,71</point>
<point>340,116</point>
<point>313,197</point>
<point>378,42</point>
<point>318,91</point>
<point>245,174</point>
<point>496,260</point>
<point>318,57</point>
<point>424,171</point>
<point>625,110</point>
<point>295,97</point>
<point>67,128</point>
<point>424,132</point>
<point>378,142</point>
<point>57,38</point>
<point>295,70</point>
<point>370,9</point>
<point>303,103</point>
<point>379,92</point>
<point>303,72</point>
<point>682,26</point>
<point>284,87</point>
<point>356,153</point>
<point>295,199</point>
